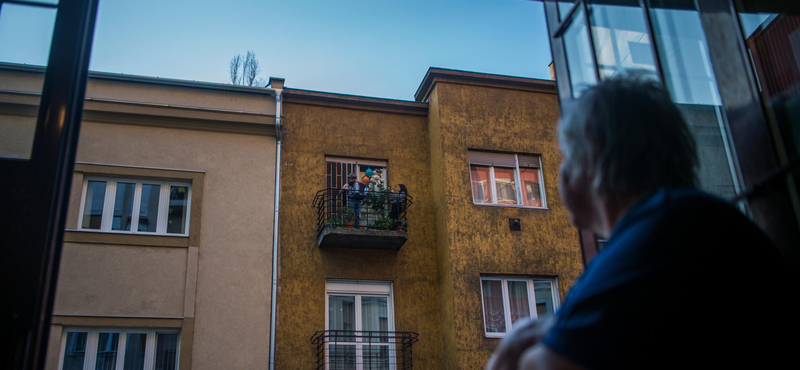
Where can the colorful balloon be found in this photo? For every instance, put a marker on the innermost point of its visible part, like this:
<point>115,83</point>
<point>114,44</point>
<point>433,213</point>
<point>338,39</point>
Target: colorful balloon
<point>369,172</point>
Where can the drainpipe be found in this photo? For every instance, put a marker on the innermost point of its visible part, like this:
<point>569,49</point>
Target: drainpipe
<point>277,84</point>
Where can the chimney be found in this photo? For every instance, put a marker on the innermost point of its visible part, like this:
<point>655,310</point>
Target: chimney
<point>276,83</point>
<point>552,71</point>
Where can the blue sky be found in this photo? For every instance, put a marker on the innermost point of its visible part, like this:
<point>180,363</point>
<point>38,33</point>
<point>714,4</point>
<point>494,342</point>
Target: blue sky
<point>364,47</point>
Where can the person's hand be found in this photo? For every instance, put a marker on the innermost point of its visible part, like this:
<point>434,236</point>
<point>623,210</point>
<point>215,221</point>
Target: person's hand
<point>524,335</point>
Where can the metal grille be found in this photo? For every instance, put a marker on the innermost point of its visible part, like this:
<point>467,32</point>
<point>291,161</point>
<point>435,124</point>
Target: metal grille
<point>363,350</point>
<point>367,210</point>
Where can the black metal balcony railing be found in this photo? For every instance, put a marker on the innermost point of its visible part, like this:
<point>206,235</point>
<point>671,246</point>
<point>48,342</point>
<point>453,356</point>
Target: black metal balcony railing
<point>382,210</point>
<point>364,350</point>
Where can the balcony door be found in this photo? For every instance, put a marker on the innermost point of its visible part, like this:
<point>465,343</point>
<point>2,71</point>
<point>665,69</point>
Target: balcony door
<point>359,317</point>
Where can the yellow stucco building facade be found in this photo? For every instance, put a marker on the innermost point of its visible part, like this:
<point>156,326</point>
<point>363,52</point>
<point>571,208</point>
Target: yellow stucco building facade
<point>488,238</point>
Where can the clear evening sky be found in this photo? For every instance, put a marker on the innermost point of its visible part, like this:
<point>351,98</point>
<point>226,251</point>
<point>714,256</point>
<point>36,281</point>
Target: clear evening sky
<point>365,47</point>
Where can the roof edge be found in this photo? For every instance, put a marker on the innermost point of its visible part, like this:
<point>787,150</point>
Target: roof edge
<point>353,101</point>
<point>435,74</point>
<point>146,79</point>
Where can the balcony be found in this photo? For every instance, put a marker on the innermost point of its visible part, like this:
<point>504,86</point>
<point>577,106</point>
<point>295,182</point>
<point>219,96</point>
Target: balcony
<point>362,350</point>
<point>366,220</point>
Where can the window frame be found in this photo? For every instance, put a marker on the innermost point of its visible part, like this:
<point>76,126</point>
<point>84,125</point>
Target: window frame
<point>359,289</point>
<point>507,304</point>
<point>109,200</point>
<point>517,181</point>
<point>91,348</point>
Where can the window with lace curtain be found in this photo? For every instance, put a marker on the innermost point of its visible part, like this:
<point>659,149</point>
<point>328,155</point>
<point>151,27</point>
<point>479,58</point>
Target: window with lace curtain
<point>506,179</point>
<point>507,300</point>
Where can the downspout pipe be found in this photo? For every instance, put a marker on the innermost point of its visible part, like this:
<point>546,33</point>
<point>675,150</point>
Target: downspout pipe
<point>274,301</point>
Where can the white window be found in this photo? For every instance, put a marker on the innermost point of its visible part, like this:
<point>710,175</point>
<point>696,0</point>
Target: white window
<point>509,299</point>
<point>356,314</point>
<point>338,169</point>
<point>135,206</point>
<point>506,179</point>
<point>116,348</point>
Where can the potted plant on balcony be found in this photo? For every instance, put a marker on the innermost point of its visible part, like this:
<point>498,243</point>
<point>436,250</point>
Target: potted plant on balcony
<point>348,217</point>
<point>400,225</point>
<point>384,223</point>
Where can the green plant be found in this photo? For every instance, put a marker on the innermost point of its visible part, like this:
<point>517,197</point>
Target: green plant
<point>335,222</point>
<point>383,222</point>
<point>400,223</point>
<point>377,200</point>
<point>347,214</point>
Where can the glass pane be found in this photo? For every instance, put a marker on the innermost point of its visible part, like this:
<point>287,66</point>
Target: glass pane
<point>578,51</point>
<point>773,42</point>
<point>93,205</point>
<point>493,312</point>
<point>518,300</point>
<point>107,351</point>
<point>166,351</point>
<point>178,204</point>
<point>148,209</point>
<point>74,351</point>
<point>543,293</point>
<point>341,357</point>
<point>690,80</point>
<point>375,357</point>
<point>564,7</point>
<point>531,189</point>
<point>374,317</point>
<point>621,41</point>
<point>123,206</point>
<point>134,351</point>
<point>342,317</point>
<point>506,186</point>
<point>25,36</point>
<point>481,187</point>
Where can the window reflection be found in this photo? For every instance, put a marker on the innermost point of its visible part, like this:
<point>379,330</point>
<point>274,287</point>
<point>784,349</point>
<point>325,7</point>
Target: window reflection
<point>690,80</point>
<point>93,205</point>
<point>621,39</point>
<point>773,44</point>
<point>176,214</point>
<point>578,50</point>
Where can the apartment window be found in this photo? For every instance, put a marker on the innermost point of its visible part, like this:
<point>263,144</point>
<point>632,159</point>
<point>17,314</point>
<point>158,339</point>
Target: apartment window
<point>338,168</point>
<point>509,299</point>
<point>114,348</point>
<point>506,179</point>
<point>135,206</point>
<point>357,313</point>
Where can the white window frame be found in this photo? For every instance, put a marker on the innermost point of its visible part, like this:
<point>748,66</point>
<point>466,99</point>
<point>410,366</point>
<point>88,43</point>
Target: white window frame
<point>507,305</point>
<point>92,339</point>
<point>108,205</point>
<point>517,181</point>
<point>362,288</point>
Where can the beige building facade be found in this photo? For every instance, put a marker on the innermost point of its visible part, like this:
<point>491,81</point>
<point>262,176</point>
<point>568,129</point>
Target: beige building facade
<point>167,253</point>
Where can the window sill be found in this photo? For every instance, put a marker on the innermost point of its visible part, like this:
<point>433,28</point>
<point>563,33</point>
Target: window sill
<point>494,335</point>
<point>508,206</point>
<point>103,237</point>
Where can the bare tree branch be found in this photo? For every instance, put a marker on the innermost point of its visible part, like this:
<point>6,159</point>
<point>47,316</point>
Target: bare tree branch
<point>250,69</point>
<point>236,62</point>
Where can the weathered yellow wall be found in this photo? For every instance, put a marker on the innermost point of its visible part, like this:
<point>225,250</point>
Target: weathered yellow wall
<point>310,133</point>
<point>478,237</point>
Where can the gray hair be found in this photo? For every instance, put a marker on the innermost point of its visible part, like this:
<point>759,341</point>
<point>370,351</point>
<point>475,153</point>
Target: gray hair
<point>630,134</point>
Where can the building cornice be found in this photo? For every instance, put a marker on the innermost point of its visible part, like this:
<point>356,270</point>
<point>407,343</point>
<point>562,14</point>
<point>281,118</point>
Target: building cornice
<point>93,75</point>
<point>437,75</point>
<point>150,114</point>
<point>320,98</point>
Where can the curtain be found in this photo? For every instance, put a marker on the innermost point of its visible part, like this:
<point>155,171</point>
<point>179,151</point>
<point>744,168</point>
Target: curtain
<point>531,191</point>
<point>481,189</point>
<point>134,351</point>
<point>518,300</point>
<point>494,313</point>
<point>166,351</point>
<point>342,316</point>
<point>107,351</point>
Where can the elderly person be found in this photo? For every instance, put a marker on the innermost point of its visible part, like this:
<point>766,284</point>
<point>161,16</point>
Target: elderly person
<point>685,279</point>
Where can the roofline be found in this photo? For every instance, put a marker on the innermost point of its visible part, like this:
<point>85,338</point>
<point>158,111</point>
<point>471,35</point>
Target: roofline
<point>147,79</point>
<point>436,74</point>
<point>292,95</point>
